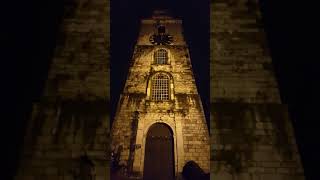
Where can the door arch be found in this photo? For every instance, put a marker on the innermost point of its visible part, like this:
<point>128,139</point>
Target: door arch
<point>159,155</point>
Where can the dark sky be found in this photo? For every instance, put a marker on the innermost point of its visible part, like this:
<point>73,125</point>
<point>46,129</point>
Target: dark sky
<point>28,35</point>
<point>291,32</point>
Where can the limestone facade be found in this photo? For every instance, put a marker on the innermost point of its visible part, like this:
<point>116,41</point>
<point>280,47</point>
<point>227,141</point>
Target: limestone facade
<point>182,112</point>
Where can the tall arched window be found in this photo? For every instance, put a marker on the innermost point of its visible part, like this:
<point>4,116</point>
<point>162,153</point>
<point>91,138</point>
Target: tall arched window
<point>161,56</point>
<point>160,87</point>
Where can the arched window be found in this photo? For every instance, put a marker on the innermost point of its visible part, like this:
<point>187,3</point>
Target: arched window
<point>161,56</point>
<point>160,87</point>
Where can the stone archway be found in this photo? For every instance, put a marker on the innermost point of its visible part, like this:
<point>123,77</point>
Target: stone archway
<point>159,155</point>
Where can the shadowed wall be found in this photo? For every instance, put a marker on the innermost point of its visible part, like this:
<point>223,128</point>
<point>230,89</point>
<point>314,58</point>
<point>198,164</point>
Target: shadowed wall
<point>68,134</point>
<point>251,134</point>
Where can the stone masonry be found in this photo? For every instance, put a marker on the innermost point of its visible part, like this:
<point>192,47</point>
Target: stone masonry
<point>183,113</point>
<point>251,135</point>
<point>68,133</point>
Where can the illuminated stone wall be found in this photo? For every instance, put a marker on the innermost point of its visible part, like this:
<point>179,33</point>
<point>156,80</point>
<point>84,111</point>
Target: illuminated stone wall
<point>71,119</point>
<point>183,112</point>
<point>251,134</point>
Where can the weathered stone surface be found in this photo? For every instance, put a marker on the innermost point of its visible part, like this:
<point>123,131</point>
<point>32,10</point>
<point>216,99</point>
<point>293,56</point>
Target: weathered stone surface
<point>252,137</point>
<point>241,67</point>
<point>183,111</point>
<point>71,119</point>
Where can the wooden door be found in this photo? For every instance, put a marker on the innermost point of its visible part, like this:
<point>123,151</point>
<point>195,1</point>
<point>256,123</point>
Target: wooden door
<point>159,158</point>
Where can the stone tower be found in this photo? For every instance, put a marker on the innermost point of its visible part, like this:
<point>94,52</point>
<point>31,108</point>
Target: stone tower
<point>68,133</point>
<point>159,123</point>
<point>252,137</point>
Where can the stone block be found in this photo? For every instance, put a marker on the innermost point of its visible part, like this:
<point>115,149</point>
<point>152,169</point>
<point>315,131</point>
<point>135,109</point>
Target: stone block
<point>221,176</point>
<point>51,171</point>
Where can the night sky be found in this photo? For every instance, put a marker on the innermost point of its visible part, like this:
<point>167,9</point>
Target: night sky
<point>29,32</point>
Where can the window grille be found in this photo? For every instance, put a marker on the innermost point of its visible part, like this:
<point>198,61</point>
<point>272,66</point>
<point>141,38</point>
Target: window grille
<point>161,56</point>
<point>160,87</point>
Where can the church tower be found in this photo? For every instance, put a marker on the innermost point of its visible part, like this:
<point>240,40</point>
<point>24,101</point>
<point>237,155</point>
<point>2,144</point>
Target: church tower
<point>159,124</point>
<point>251,134</point>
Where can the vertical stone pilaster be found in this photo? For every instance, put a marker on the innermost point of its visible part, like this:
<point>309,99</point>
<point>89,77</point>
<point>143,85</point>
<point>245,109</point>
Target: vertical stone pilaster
<point>180,143</point>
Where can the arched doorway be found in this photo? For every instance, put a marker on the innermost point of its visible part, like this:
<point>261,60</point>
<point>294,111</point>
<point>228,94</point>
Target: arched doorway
<point>159,157</point>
